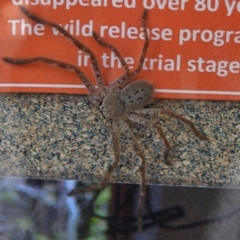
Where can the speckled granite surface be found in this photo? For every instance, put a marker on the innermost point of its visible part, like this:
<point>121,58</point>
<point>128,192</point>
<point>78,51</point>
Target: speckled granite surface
<point>56,136</point>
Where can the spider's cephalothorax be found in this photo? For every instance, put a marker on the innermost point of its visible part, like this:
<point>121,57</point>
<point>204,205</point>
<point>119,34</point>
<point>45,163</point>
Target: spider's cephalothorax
<point>121,103</point>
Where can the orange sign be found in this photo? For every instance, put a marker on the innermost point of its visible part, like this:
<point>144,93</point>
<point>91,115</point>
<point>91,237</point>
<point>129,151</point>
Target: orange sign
<point>193,53</point>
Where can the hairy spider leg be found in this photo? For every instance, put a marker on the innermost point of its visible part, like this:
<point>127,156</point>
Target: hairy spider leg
<point>114,49</point>
<point>76,42</point>
<point>67,66</point>
<point>186,121</point>
<point>116,150</point>
<point>176,116</point>
<point>141,120</point>
<point>132,139</point>
<point>122,81</point>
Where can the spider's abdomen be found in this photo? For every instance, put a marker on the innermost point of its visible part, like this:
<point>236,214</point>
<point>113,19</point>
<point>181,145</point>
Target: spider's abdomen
<point>137,94</point>
<point>113,107</point>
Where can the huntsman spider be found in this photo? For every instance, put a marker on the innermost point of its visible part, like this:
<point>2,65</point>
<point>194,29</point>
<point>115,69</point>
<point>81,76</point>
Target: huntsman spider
<point>120,103</point>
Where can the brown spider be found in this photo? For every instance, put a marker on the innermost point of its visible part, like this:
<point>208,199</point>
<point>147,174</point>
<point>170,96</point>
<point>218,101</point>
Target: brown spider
<point>120,103</point>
